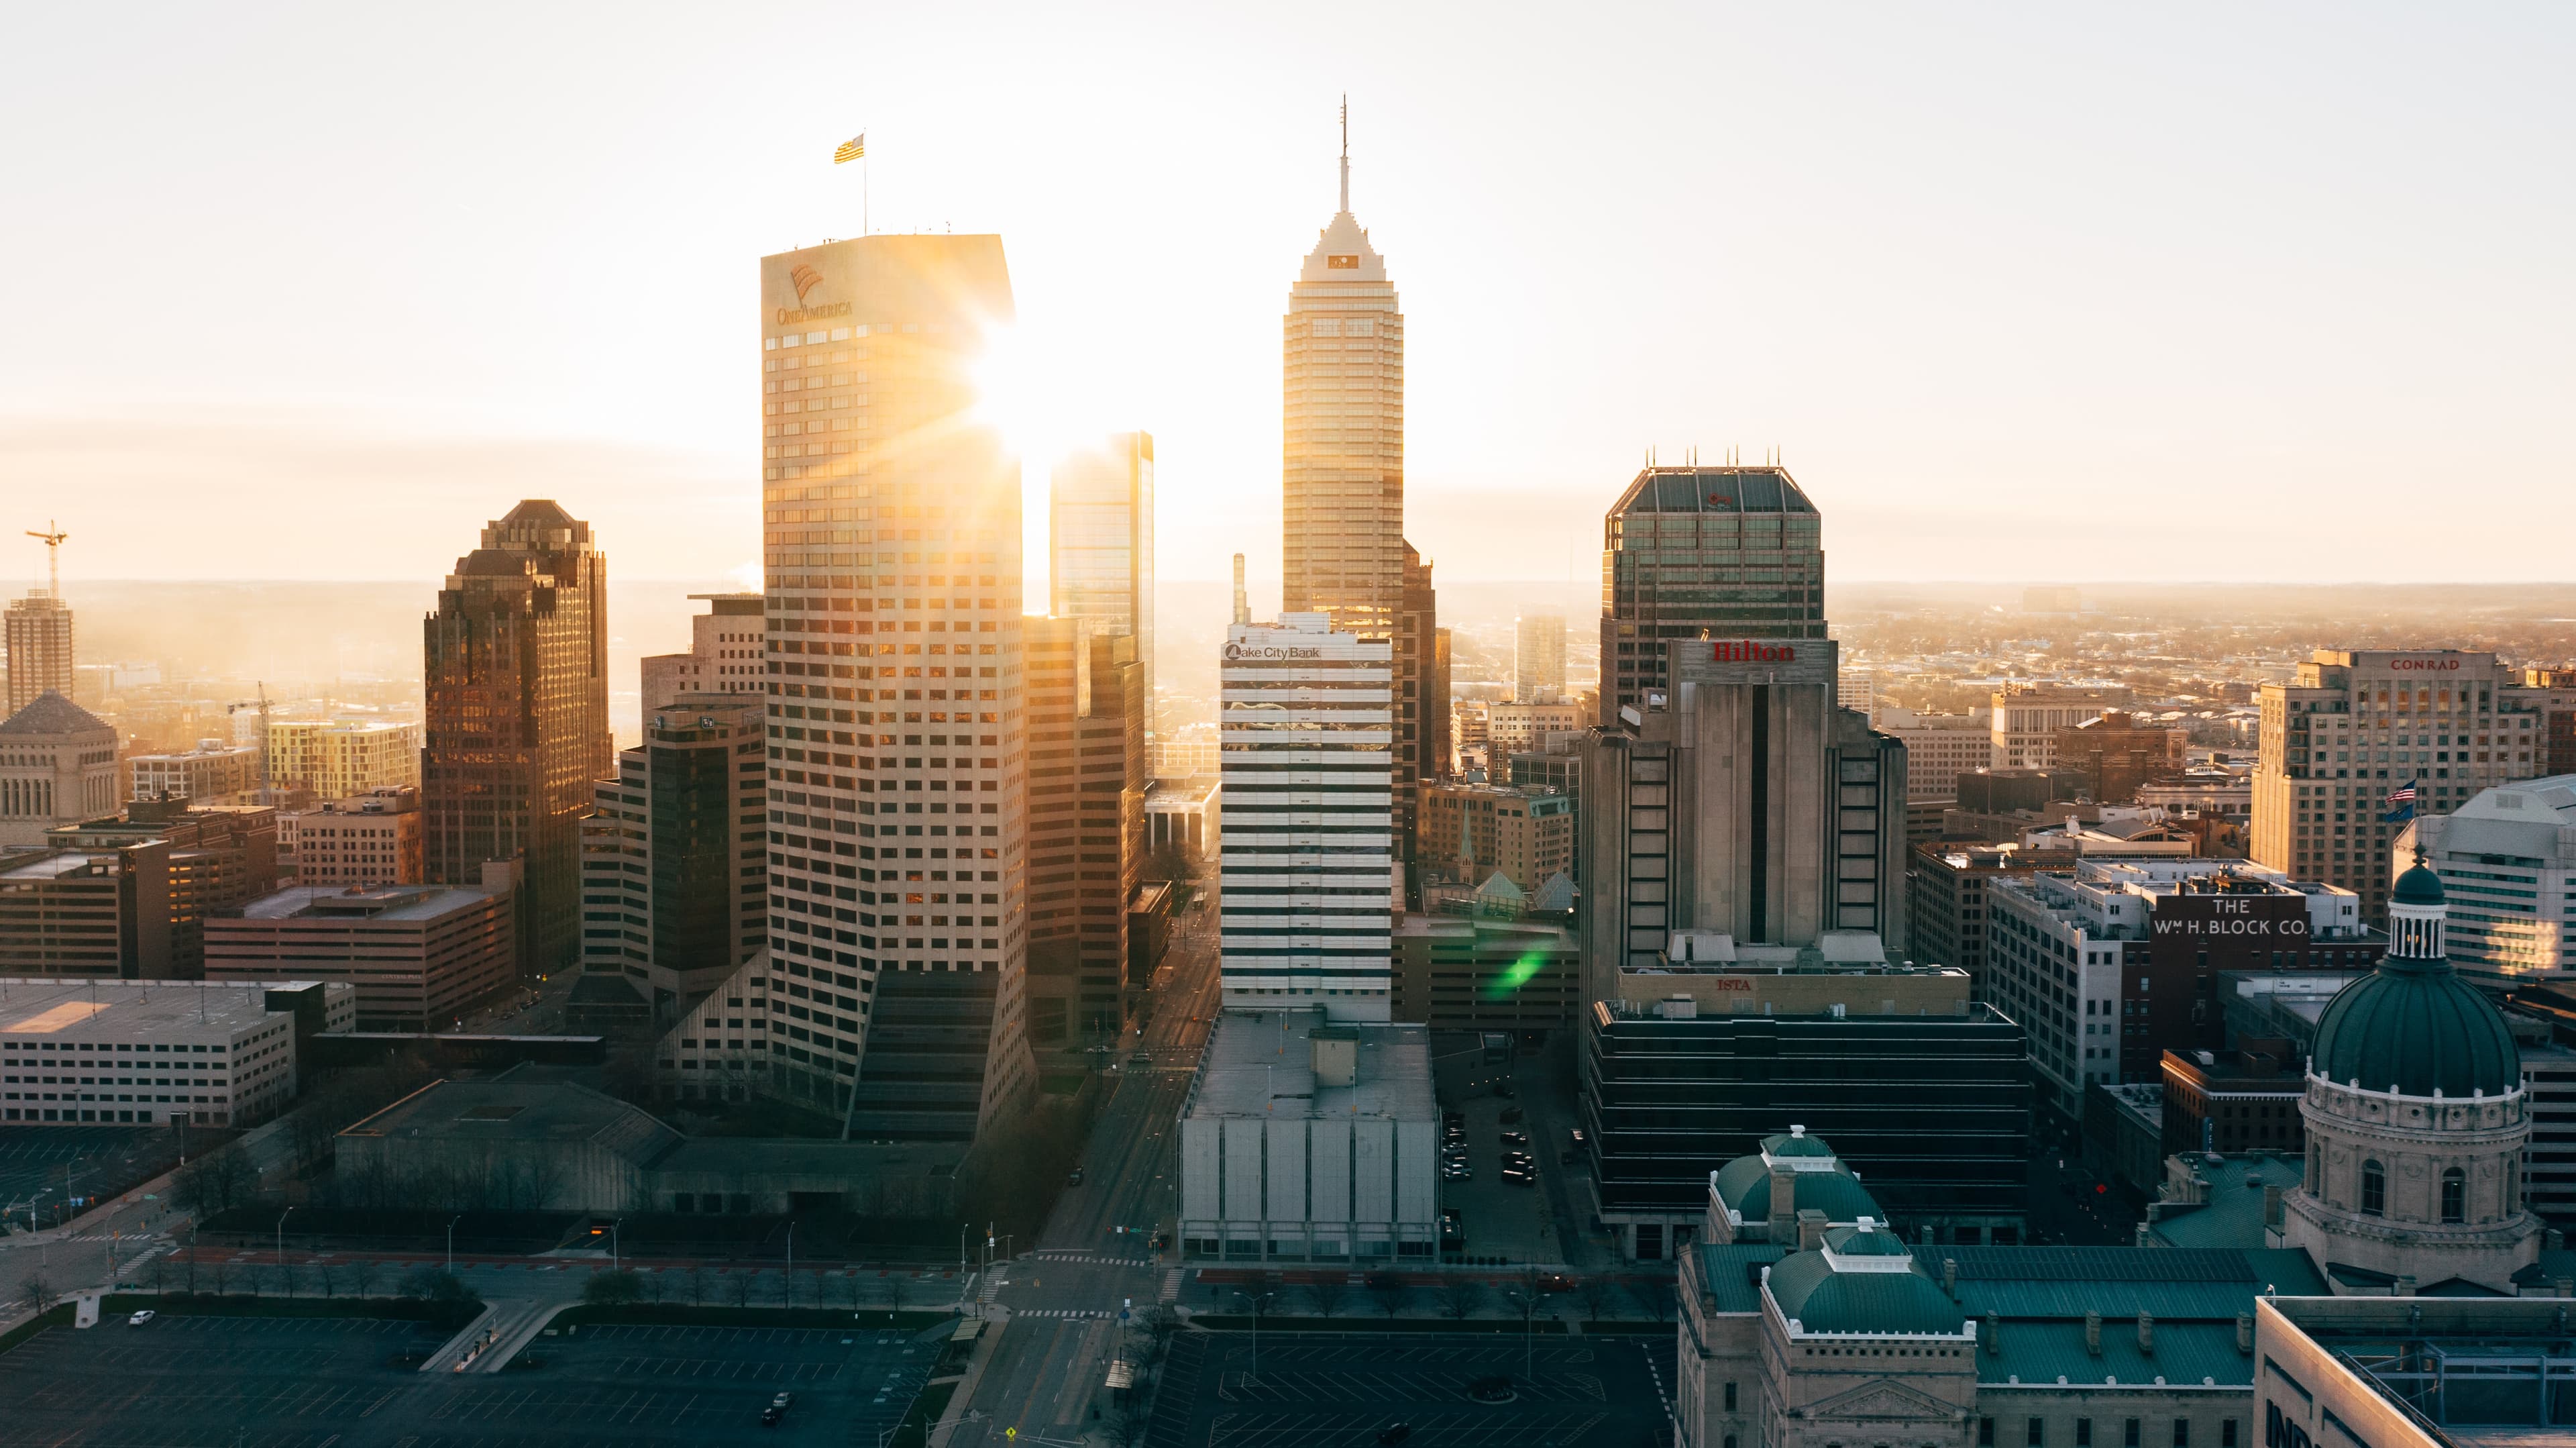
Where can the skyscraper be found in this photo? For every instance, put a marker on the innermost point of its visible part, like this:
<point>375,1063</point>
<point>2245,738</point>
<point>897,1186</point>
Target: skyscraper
<point>1086,824</point>
<point>2353,727</point>
<point>38,629</point>
<point>1343,444</point>
<point>724,657</point>
<point>1100,537</point>
<point>1703,553</point>
<point>1308,739</point>
<point>1538,657</point>
<point>897,800</point>
<point>515,668</point>
<point>1343,545</point>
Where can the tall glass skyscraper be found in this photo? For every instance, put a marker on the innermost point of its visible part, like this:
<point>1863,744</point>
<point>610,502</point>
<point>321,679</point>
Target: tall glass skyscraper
<point>515,667</point>
<point>1100,533</point>
<point>897,723</point>
<point>1722,553</point>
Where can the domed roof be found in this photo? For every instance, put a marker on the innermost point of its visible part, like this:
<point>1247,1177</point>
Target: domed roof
<point>1819,1298</point>
<point>2418,886</point>
<point>1745,1185</point>
<point>2412,1026</point>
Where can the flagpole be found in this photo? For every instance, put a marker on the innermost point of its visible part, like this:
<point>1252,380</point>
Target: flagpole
<point>864,228</point>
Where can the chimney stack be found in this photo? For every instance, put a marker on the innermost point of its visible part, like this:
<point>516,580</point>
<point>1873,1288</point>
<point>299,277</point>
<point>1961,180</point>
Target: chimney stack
<point>2245,1333</point>
<point>1950,1276</point>
<point>2093,1333</point>
<point>2147,1334</point>
<point>1784,1203</point>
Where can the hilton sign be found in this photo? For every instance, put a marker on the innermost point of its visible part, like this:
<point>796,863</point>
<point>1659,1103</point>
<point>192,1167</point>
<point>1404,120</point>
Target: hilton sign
<point>1746,651</point>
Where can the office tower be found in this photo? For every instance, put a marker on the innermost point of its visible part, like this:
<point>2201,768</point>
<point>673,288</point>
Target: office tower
<point>57,765</point>
<point>897,815</point>
<point>219,858</point>
<point>1522,728</point>
<point>228,1059</point>
<point>515,663</point>
<point>2026,720</point>
<point>1421,694</point>
<point>1938,749</point>
<point>36,632</point>
<point>87,912</point>
<point>1242,605</point>
<point>420,956</point>
<point>2353,727</point>
<point>1538,657</point>
<point>1086,807</point>
<point>1703,553</point>
<point>1475,830</point>
<point>1100,540</point>
<point>724,657</point>
<point>2116,755</point>
<point>343,758</point>
<point>1742,801</point>
<point>1309,745</point>
<point>674,878</point>
<point>368,839</point>
<point>1343,446</point>
<point>2509,853</point>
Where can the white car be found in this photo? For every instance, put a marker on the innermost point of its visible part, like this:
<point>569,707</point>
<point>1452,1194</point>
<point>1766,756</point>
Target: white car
<point>140,1318</point>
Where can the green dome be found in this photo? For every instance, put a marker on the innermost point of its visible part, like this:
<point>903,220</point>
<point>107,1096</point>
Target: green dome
<point>1745,1185</point>
<point>1820,1299</point>
<point>2414,1025</point>
<point>2418,886</point>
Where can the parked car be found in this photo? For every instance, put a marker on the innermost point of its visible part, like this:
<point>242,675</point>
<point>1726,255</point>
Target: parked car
<point>140,1318</point>
<point>1395,1433</point>
<point>1504,1090</point>
<point>1073,1178</point>
<point>1517,1176</point>
<point>783,1401</point>
<point>1141,1058</point>
<point>1577,1137</point>
<point>1511,1114</point>
<point>1515,1138</point>
<point>1555,1282</point>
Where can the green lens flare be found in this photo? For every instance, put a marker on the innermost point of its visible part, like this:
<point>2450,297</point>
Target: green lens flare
<point>1510,981</point>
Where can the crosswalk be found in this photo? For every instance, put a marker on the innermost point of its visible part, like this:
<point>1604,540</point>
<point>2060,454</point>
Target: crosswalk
<point>993,1284</point>
<point>1171,1287</point>
<point>1073,1312</point>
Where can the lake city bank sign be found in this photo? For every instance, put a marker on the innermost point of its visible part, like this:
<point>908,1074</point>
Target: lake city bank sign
<point>1242,651</point>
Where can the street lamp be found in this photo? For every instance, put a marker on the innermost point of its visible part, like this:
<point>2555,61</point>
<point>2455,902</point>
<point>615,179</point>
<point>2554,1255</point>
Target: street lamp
<point>612,1242</point>
<point>281,1235</point>
<point>1255,1302</point>
<point>451,1240</point>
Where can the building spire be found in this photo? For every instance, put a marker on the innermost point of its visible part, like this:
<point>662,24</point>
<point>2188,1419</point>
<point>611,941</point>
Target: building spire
<point>1346,151</point>
<point>1242,605</point>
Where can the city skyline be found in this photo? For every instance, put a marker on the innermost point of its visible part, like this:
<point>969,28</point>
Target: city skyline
<point>2012,267</point>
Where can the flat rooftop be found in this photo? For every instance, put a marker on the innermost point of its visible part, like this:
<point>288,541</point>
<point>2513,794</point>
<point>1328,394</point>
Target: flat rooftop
<point>1259,1063</point>
<point>39,866</point>
<point>378,902</point>
<point>37,1008</point>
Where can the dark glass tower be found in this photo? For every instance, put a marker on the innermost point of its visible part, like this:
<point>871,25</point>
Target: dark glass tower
<point>1723,553</point>
<point>515,663</point>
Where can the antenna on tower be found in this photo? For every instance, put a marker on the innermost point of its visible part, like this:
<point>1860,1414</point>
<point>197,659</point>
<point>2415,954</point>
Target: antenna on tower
<point>1346,150</point>
<point>53,538</point>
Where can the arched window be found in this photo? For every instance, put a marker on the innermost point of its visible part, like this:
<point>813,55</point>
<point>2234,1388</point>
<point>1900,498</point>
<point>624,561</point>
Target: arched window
<point>2455,1196</point>
<point>2374,1189</point>
<point>2512,1188</point>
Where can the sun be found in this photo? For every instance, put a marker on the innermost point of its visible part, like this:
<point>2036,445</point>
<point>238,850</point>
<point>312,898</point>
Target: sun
<point>1023,396</point>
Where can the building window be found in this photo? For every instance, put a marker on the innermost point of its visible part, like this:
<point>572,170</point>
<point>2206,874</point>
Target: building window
<point>2182,1433</point>
<point>2038,1433</point>
<point>2227,1433</point>
<point>1730,1397</point>
<point>2374,1189</point>
<point>2455,1196</point>
<point>2083,1433</point>
<point>1985,1433</point>
<point>2129,1434</point>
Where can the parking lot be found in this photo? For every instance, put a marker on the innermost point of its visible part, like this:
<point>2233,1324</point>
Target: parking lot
<point>1503,1220</point>
<point>105,1160</point>
<point>1601,1392</point>
<point>208,1382</point>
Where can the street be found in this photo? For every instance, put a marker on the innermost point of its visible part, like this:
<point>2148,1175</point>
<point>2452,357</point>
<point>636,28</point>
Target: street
<point>1047,1362</point>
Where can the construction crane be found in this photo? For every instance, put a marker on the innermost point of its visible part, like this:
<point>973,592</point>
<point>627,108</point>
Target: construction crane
<point>261,704</point>
<point>52,538</point>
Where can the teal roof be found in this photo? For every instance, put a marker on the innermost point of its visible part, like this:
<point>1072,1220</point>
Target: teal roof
<point>2173,1283</point>
<point>2233,1215</point>
<point>2414,1026</point>
<point>1821,1299</point>
<point>1745,1185</point>
<point>1796,1143</point>
<point>2418,886</point>
<point>1732,1275</point>
<point>1871,1241</point>
<point>2187,1353</point>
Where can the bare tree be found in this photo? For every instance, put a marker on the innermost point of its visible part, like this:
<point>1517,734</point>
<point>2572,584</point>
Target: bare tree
<point>158,1270</point>
<point>1460,1297</point>
<point>860,1286</point>
<point>1595,1295</point>
<point>290,1278</point>
<point>222,1273</point>
<point>327,1273</point>
<point>1655,1296</point>
<point>898,1291</point>
<point>362,1276</point>
<point>698,1283</point>
<point>740,1281</point>
<point>1390,1292</point>
<point>35,1292</point>
<point>1328,1292</point>
<point>657,1284</point>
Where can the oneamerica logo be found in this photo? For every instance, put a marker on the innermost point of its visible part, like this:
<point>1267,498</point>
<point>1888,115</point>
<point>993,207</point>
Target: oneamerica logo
<point>1748,652</point>
<point>1238,651</point>
<point>2424,666</point>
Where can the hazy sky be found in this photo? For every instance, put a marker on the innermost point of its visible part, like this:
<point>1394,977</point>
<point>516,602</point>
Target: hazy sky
<point>2023,292</point>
